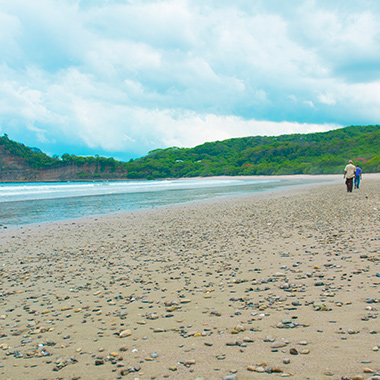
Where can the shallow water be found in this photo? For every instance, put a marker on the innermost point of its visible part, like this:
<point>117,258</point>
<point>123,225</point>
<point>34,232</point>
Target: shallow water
<point>28,203</point>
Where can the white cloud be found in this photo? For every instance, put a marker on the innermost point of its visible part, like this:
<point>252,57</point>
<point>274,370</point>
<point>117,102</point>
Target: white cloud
<point>168,128</point>
<point>309,103</point>
<point>327,98</point>
<point>136,75</point>
<point>194,130</point>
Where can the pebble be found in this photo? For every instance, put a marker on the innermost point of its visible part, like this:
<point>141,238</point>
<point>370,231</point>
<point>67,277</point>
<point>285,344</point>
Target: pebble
<point>230,377</point>
<point>178,279</point>
<point>278,344</point>
<point>258,369</point>
<point>125,333</point>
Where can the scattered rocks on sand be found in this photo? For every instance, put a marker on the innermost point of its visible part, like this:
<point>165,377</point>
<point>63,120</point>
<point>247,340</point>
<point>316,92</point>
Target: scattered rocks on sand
<point>284,284</point>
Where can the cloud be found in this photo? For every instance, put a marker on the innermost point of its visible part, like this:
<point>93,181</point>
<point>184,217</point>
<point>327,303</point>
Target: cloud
<point>344,36</point>
<point>125,77</point>
<point>195,129</point>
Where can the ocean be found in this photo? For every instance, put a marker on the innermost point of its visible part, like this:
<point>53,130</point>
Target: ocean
<point>32,203</point>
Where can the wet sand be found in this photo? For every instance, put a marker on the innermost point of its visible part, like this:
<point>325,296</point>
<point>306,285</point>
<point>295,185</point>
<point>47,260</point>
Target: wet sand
<point>285,284</point>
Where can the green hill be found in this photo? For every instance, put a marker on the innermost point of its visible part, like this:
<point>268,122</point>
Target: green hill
<point>313,153</point>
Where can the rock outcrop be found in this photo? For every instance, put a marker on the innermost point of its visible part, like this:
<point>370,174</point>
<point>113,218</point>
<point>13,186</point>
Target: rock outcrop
<point>14,168</point>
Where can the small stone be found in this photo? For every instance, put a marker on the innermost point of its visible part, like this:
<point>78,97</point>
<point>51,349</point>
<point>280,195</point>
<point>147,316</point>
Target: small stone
<point>318,305</point>
<point>17,354</point>
<point>368,370</point>
<point>239,328</point>
<point>293,351</point>
<point>125,333</point>
<point>230,377</point>
<point>278,344</point>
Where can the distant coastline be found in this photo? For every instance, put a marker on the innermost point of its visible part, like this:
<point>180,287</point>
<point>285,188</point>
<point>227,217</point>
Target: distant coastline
<point>246,177</point>
<point>306,154</point>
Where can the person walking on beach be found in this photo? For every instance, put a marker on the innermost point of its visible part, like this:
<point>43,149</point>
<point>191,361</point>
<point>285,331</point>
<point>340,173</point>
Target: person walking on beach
<point>349,174</point>
<point>358,176</point>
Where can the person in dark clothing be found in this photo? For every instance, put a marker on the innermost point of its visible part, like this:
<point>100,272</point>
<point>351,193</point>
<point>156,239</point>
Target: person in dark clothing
<point>349,174</point>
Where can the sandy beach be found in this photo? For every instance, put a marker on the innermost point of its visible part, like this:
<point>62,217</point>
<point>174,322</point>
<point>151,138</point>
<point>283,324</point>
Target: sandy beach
<point>284,284</point>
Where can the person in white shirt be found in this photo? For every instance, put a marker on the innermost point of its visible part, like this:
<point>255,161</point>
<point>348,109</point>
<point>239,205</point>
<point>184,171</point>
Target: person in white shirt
<point>349,174</point>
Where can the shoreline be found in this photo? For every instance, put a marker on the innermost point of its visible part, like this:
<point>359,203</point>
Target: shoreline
<point>183,178</point>
<point>329,178</point>
<point>279,284</point>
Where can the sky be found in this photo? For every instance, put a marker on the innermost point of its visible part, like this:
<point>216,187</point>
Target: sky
<point>119,78</point>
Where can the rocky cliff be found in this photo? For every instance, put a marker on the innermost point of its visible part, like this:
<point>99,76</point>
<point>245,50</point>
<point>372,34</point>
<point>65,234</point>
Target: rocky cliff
<point>15,168</point>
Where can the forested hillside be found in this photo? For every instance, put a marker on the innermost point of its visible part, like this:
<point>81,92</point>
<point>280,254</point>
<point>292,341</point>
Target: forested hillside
<point>314,153</point>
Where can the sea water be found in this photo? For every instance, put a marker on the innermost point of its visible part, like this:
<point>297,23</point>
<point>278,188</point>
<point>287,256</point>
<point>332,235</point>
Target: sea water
<point>30,203</point>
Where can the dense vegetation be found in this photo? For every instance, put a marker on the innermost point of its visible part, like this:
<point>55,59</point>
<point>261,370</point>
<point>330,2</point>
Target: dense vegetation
<point>34,157</point>
<point>314,153</point>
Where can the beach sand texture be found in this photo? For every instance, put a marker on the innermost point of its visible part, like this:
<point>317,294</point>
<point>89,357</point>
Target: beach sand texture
<point>274,285</point>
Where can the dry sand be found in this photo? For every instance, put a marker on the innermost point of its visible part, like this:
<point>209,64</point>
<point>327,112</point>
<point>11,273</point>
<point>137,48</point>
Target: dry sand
<point>268,286</point>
